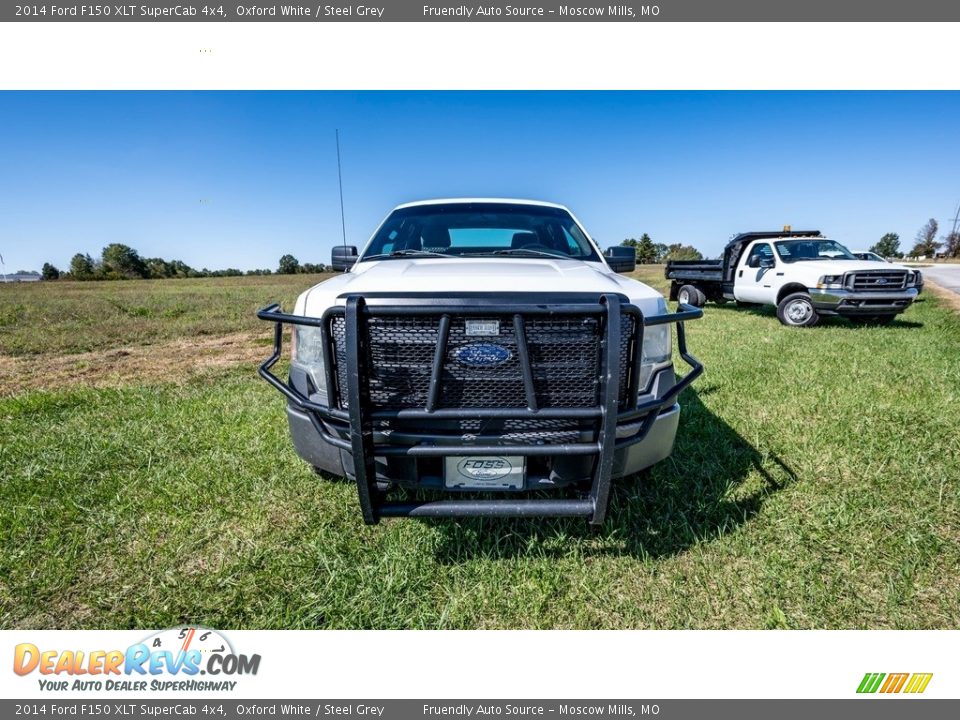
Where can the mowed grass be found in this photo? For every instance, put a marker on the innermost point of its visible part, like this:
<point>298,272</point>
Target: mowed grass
<point>75,317</point>
<point>814,484</point>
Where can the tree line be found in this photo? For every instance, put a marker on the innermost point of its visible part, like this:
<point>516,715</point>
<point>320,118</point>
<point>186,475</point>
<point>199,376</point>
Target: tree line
<point>122,262</point>
<point>649,252</point>
<point>925,244</point>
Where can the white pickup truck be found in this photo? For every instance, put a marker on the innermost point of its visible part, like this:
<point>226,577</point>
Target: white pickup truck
<point>803,274</point>
<point>477,351</point>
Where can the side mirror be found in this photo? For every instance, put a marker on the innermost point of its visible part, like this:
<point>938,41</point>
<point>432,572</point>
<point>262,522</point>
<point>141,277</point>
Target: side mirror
<point>767,262</point>
<point>621,259</point>
<point>343,257</point>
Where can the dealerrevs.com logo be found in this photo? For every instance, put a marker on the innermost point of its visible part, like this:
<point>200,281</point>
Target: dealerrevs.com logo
<point>179,659</point>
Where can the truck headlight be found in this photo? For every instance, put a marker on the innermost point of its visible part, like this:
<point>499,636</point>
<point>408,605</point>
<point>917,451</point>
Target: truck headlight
<point>308,354</point>
<point>656,351</point>
<point>830,281</point>
<point>913,278</point>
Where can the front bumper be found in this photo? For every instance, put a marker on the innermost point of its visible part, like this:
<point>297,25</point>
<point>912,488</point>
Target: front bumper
<point>352,441</point>
<point>831,301</point>
<point>551,471</point>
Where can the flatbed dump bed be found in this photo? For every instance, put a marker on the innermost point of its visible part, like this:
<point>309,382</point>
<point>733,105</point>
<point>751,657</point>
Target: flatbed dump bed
<point>705,270</point>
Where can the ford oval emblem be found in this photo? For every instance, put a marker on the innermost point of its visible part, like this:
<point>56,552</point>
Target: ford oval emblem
<point>482,355</point>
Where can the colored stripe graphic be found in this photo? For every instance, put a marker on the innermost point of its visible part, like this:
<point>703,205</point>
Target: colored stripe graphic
<point>870,682</point>
<point>918,682</point>
<point>894,683</point>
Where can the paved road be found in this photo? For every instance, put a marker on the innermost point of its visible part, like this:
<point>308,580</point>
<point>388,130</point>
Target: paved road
<point>946,276</point>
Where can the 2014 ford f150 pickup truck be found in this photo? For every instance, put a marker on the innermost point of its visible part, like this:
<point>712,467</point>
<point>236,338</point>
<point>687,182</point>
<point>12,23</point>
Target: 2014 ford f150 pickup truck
<point>478,351</point>
<point>802,273</point>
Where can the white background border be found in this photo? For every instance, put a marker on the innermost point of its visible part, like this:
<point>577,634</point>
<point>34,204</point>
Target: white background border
<point>594,55</point>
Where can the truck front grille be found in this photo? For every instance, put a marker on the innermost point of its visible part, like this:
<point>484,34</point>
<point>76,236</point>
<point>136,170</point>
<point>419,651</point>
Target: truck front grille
<point>876,280</point>
<point>564,353</point>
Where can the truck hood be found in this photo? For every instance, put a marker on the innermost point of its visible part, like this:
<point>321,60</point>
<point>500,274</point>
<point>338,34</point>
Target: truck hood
<point>500,275</point>
<point>838,267</point>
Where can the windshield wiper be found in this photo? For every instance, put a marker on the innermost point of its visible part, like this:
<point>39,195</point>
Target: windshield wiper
<point>530,251</point>
<point>405,253</point>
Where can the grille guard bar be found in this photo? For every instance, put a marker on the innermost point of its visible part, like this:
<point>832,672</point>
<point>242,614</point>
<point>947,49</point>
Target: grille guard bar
<point>359,416</point>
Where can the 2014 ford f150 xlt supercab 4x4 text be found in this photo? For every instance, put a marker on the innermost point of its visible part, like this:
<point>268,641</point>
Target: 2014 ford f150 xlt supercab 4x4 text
<point>477,351</point>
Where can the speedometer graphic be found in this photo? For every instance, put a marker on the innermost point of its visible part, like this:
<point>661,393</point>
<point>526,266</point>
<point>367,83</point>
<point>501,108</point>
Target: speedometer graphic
<point>180,640</point>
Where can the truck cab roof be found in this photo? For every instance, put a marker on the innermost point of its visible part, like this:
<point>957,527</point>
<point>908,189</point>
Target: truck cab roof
<point>469,200</point>
<point>747,237</point>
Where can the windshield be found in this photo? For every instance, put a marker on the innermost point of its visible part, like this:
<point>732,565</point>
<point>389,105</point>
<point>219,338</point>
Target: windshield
<point>806,250</point>
<point>480,230</point>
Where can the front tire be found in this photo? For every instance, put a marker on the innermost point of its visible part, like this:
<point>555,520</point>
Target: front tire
<point>796,310</point>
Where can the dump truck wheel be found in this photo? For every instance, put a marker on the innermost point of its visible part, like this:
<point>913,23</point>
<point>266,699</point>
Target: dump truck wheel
<point>797,310</point>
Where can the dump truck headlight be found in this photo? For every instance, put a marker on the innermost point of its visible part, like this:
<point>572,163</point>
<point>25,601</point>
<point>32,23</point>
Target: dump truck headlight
<point>830,281</point>
<point>308,354</point>
<point>656,351</point>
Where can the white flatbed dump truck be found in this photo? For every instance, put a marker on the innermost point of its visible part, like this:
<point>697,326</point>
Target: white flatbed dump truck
<point>802,273</point>
<point>476,353</point>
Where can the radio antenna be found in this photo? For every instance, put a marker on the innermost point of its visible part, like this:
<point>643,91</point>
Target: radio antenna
<point>343,222</point>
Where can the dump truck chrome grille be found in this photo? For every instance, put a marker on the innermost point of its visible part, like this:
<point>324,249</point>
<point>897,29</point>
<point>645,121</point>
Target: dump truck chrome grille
<point>876,280</point>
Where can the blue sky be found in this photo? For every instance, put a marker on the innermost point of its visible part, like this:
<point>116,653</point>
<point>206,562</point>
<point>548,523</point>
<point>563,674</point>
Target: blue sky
<point>236,179</point>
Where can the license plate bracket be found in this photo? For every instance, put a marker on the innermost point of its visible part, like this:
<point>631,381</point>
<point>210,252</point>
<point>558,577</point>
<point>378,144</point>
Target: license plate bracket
<point>484,472</point>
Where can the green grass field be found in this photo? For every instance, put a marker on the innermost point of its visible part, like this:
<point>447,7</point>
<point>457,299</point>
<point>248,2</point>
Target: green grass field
<point>815,483</point>
<point>73,317</point>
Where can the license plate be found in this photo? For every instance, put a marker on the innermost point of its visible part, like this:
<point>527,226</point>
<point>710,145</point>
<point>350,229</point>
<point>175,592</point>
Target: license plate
<point>485,472</point>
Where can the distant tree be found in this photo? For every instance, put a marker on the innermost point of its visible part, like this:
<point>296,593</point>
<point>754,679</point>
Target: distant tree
<point>646,250</point>
<point>951,244</point>
<point>644,247</point>
<point>180,269</point>
<point>927,240</point>
<point>288,265</point>
<point>49,272</point>
<point>682,252</point>
<point>888,246</point>
<point>122,261</point>
<point>82,267</point>
<point>157,268</point>
<point>660,252</point>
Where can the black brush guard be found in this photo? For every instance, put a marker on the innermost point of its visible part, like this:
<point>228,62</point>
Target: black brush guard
<point>359,414</point>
